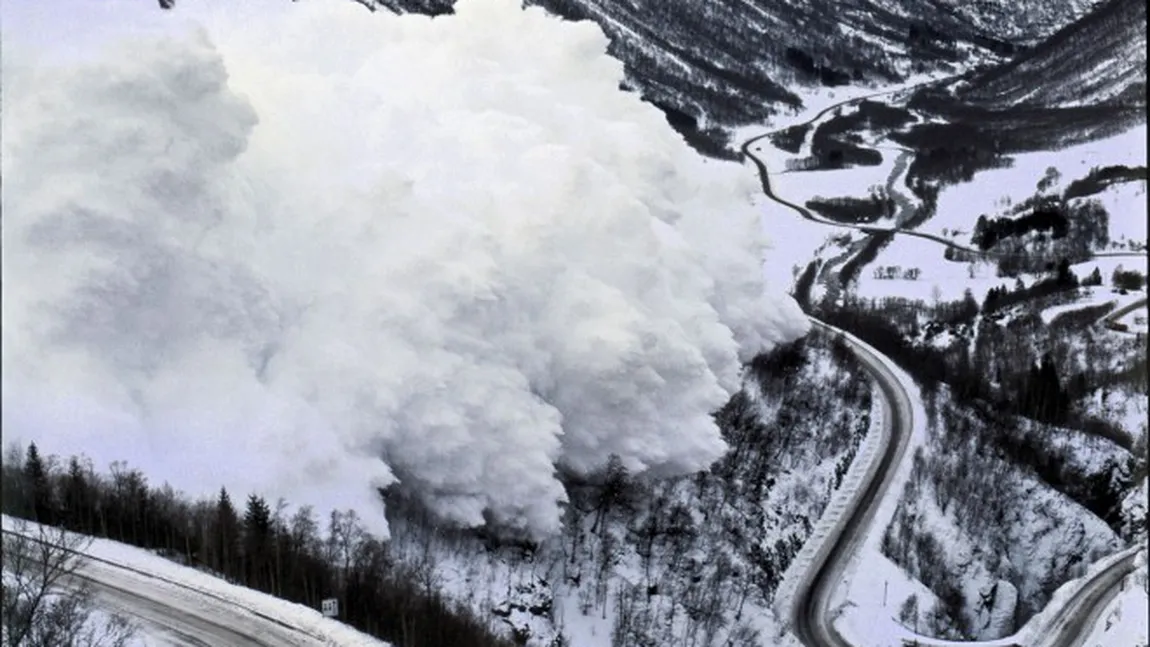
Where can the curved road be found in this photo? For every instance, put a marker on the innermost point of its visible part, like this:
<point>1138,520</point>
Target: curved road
<point>1124,310</point>
<point>1072,624</point>
<point>809,614</point>
<point>176,614</point>
<point>813,594</point>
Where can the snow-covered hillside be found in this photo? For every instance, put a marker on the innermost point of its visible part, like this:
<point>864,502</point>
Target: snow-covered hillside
<point>715,65</point>
<point>990,539</point>
<point>697,558</point>
<point>1097,60</point>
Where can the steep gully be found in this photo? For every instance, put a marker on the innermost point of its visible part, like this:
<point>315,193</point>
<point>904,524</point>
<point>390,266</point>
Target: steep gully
<point>809,615</point>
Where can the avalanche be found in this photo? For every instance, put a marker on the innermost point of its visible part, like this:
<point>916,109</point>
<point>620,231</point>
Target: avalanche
<point>309,251</point>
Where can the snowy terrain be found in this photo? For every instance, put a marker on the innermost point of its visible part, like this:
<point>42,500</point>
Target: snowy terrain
<point>1124,620</point>
<point>992,190</point>
<point>683,559</point>
<point>435,257</point>
<point>179,586</point>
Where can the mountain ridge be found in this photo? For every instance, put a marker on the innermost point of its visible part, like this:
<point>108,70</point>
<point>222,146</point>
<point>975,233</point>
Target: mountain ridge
<point>723,64</point>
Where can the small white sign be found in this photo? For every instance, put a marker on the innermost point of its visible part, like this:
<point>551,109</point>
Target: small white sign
<point>330,608</point>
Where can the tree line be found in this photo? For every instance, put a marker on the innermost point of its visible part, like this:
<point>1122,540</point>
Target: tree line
<point>252,544</point>
<point>1010,375</point>
<point>988,231</point>
<point>1063,279</point>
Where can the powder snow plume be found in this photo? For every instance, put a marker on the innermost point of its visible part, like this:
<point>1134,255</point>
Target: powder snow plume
<point>306,250</point>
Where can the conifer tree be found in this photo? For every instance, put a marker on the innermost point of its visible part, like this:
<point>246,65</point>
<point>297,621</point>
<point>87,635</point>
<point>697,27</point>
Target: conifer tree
<point>40,494</point>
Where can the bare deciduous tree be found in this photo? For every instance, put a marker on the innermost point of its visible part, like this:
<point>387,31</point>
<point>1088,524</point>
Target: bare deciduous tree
<point>45,602</point>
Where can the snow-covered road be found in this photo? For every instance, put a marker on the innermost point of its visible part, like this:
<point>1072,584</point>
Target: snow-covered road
<point>177,605</point>
<point>848,519</point>
<point>173,615</point>
<point>190,618</point>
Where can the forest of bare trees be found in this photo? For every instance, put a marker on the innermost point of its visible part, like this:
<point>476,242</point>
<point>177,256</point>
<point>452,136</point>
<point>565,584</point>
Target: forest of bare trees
<point>46,601</point>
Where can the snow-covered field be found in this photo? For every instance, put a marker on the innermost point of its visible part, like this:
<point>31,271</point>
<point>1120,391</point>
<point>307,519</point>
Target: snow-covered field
<point>188,586</point>
<point>796,240</point>
<point>993,190</point>
<point>1126,204</point>
<point>800,186</point>
<point>939,278</point>
<point>816,99</point>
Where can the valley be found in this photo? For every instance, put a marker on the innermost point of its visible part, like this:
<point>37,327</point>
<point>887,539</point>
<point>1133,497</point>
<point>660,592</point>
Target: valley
<point>823,287</point>
<point>568,323</point>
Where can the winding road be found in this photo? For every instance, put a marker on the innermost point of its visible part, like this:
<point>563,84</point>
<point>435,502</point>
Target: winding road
<point>809,616</point>
<point>1124,310</point>
<point>813,594</point>
<point>752,145</point>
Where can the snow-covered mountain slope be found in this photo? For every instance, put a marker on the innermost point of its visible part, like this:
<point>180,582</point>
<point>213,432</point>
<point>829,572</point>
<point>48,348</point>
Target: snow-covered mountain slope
<point>989,537</point>
<point>729,62</point>
<point>1020,23</point>
<point>692,560</point>
<point>1096,60</point>
<point>1086,82</point>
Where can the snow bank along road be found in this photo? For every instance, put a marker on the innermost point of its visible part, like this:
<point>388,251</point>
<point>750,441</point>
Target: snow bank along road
<point>809,619</point>
<point>183,616</point>
<point>1068,625</point>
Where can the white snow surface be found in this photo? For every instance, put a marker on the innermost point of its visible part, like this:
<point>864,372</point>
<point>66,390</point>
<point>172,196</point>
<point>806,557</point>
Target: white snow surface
<point>854,182</point>
<point>365,248</point>
<point>992,190</point>
<point>1124,621</point>
<point>1096,295</point>
<point>948,280</point>
<point>184,583</point>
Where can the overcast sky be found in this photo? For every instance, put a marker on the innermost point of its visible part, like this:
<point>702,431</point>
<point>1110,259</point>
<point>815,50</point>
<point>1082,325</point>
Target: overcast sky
<point>74,28</point>
<point>70,27</point>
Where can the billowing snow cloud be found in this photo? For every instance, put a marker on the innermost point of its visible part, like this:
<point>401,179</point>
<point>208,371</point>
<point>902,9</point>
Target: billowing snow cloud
<point>307,250</point>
